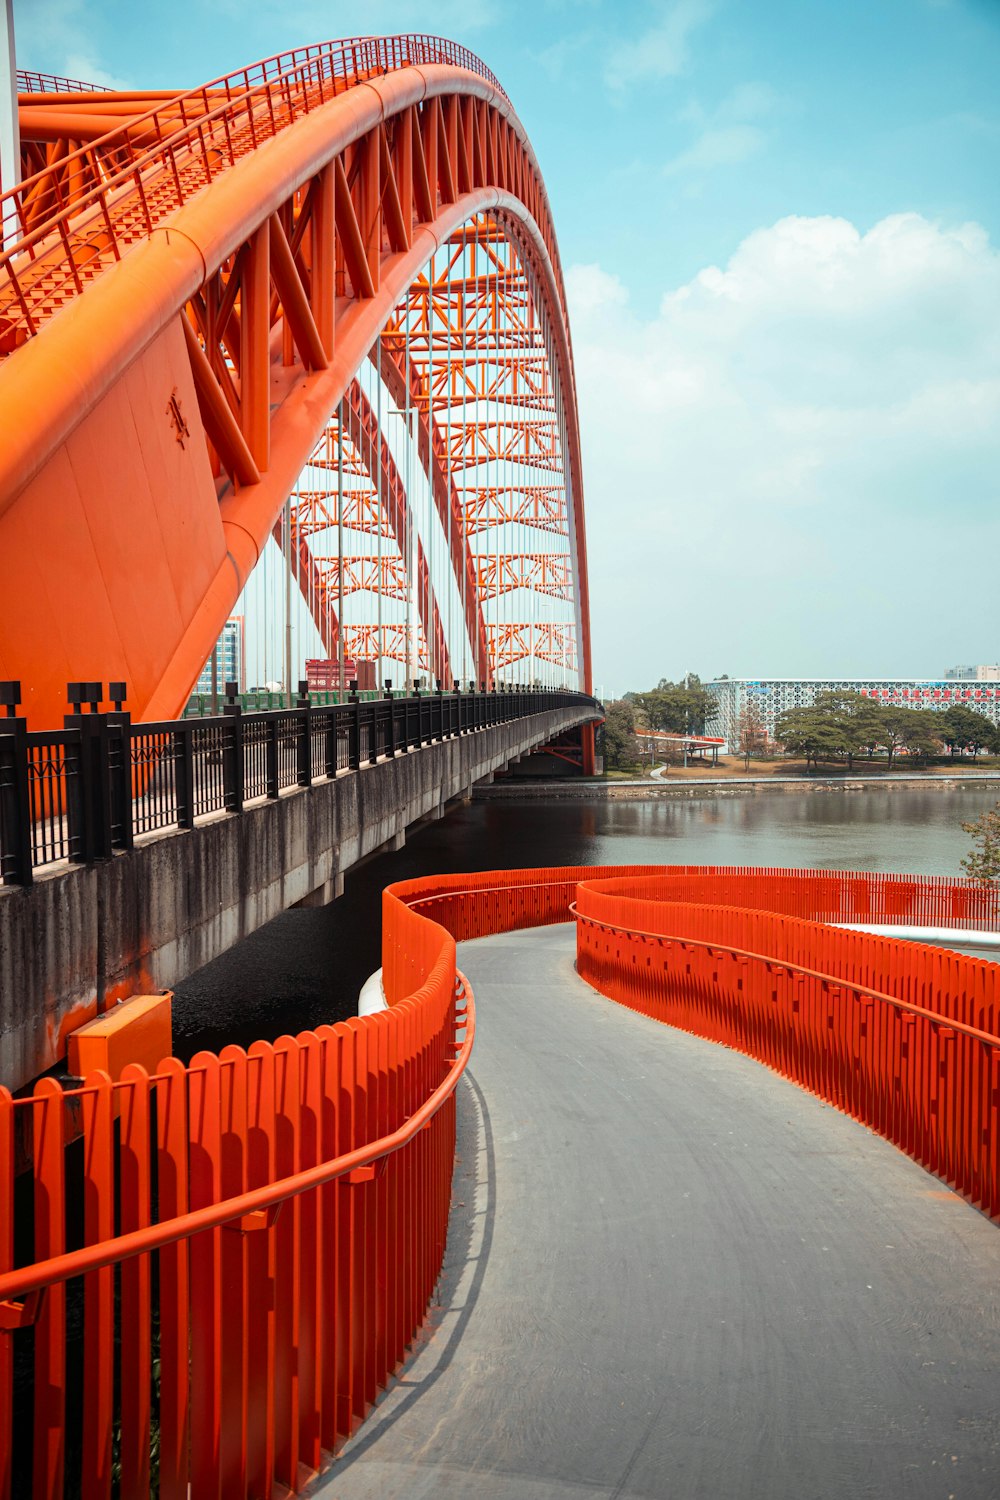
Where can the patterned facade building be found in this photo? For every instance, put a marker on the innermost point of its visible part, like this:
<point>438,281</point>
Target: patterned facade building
<point>767,698</point>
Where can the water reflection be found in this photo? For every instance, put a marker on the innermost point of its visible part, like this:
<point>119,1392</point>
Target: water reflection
<point>306,967</point>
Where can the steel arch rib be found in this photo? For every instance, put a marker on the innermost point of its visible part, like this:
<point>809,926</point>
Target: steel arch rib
<point>103,416</point>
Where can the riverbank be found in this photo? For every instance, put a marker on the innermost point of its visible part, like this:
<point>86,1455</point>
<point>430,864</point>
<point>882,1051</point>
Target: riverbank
<point>596,789</point>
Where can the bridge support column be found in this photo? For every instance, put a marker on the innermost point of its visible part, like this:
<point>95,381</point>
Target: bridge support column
<point>588,736</point>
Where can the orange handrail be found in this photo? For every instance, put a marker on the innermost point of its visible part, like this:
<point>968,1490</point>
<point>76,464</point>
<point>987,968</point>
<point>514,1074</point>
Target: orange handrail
<point>713,947</point>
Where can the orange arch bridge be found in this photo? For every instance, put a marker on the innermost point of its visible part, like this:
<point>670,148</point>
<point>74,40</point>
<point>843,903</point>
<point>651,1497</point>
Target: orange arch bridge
<point>214,306</point>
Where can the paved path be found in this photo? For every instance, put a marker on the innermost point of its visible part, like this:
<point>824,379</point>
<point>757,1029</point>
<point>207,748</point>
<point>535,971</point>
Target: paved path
<point>672,1274</point>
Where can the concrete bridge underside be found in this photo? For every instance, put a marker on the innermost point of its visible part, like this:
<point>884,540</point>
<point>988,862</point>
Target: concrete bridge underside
<point>83,937</point>
<point>670,1272</point>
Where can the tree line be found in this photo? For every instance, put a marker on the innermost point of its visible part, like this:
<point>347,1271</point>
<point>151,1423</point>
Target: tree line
<point>844,725</point>
<point>836,726</point>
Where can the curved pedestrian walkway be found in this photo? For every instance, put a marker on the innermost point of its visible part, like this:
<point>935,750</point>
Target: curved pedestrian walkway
<point>672,1274</point>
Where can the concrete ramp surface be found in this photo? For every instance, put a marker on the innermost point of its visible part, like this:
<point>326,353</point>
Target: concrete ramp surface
<point>672,1274</point>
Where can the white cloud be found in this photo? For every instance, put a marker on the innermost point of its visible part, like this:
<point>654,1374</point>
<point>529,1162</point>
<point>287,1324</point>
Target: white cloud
<point>794,466</point>
<point>729,133</point>
<point>724,147</point>
<point>56,36</point>
<point>663,50</point>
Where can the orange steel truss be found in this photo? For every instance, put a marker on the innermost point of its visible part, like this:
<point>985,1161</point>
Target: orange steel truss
<point>275,1331</point>
<point>198,282</point>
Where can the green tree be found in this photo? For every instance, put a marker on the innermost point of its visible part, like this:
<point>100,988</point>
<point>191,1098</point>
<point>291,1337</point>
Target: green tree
<point>750,734</point>
<point>911,729</point>
<point>621,747</point>
<point>834,727</point>
<point>678,707</point>
<point>962,728</point>
<point>983,862</point>
<point>816,733</point>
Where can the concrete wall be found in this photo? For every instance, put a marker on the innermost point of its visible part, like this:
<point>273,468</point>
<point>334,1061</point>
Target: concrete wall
<point>84,937</point>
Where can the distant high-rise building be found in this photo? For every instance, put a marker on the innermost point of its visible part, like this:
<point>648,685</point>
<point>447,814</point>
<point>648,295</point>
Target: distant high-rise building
<point>767,698</point>
<point>974,674</point>
<point>228,656</point>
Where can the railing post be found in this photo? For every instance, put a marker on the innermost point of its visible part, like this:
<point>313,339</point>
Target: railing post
<point>390,739</point>
<point>182,744</point>
<point>330,743</point>
<point>94,832</point>
<point>15,800</point>
<point>120,766</point>
<point>413,713</point>
<point>271,778</point>
<point>304,725</point>
<point>354,728</point>
<point>421,714</point>
<point>233,779</point>
<point>438,711</point>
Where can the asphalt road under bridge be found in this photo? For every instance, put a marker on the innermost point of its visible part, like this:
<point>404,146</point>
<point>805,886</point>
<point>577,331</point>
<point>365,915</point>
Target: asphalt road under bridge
<point>671,1273</point>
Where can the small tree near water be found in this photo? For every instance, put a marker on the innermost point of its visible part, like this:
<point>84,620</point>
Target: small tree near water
<point>751,736</point>
<point>983,862</point>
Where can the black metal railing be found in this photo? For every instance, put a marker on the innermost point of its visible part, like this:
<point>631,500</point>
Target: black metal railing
<point>84,792</point>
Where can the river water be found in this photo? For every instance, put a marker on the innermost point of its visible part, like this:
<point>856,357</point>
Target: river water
<point>306,967</point>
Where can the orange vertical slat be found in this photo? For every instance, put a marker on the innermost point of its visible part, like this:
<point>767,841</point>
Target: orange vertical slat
<point>172,1188</point>
<point>286,1273</point>
<point>260,1275</point>
<point>343,1302</point>
<point>6,1264</point>
<point>362,1227</point>
<point>233,1273</point>
<point>50,1328</point>
<point>99,1287</point>
<point>328,1331</point>
<point>310,1251</point>
<point>136,1359</point>
<point>206,1324</point>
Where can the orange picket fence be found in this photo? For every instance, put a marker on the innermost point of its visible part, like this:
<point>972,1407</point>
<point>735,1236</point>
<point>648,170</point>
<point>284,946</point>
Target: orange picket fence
<point>231,1257</point>
<point>208,1273</point>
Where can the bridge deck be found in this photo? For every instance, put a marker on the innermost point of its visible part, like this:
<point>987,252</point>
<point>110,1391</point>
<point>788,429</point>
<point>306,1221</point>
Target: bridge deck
<point>671,1273</point>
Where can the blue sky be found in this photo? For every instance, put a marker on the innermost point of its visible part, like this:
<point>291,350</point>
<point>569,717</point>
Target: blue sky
<point>780,223</point>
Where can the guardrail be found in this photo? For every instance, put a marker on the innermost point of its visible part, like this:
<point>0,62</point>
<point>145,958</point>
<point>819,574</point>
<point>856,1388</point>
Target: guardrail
<point>903,1036</point>
<point>156,161</point>
<point>84,792</point>
<point>255,1241</point>
<point>30,82</point>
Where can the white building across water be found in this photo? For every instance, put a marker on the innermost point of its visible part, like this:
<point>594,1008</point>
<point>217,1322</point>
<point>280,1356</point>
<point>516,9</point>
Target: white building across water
<point>767,698</point>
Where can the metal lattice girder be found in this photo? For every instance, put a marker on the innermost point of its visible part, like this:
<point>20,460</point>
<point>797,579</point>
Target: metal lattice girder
<point>546,572</point>
<point>514,644</point>
<point>540,506</point>
<point>354,575</point>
